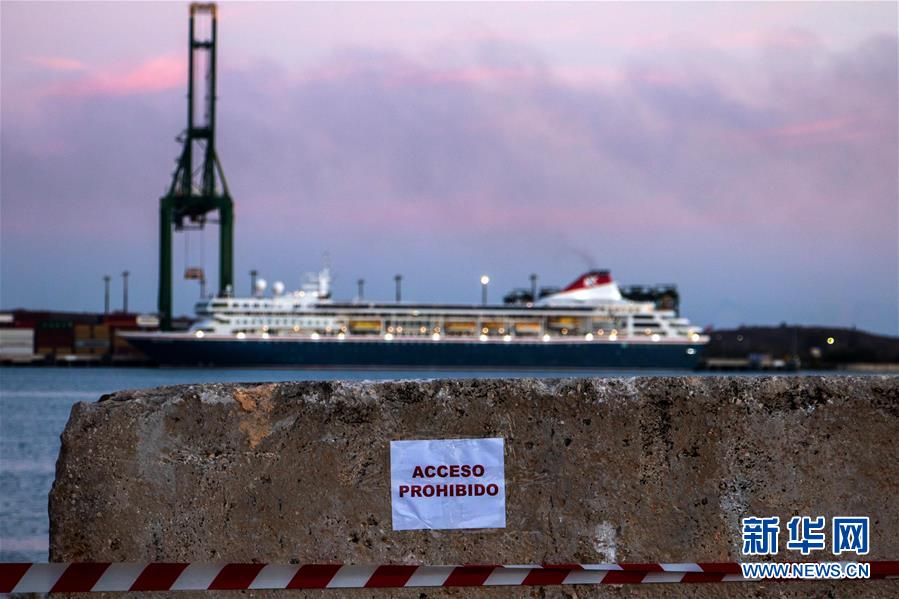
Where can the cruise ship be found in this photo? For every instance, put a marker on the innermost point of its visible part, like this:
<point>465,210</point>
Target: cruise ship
<point>588,325</point>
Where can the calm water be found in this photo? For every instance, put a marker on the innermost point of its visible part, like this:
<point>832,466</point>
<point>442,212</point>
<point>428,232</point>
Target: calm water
<point>35,404</point>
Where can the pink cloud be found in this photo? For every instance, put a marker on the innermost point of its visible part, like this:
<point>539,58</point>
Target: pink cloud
<point>472,75</point>
<point>156,74</point>
<point>828,130</point>
<point>58,63</point>
<point>415,74</point>
<point>775,39</point>
<point>811,128</point>
<point>398,74</point>
<point>791,39</point>
<point>487,213</point>
<point>819,131</point>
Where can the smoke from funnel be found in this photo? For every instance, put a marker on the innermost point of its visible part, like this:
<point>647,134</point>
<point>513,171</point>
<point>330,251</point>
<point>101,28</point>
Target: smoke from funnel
<point>588,259</point>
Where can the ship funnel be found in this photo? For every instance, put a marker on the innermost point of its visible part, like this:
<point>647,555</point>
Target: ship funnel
<point>590,288</point>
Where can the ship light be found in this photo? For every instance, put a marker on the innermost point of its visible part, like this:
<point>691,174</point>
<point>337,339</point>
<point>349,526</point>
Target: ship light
<point>436,336</point>
<point>265,335</point>
<point>265,328</point>
<point>690,351</point>
<point>655,337</point>
<point>601,332</point>
<point>423,330</point>
<point>199,334</point>
<point>296,328</point>
<point>589,336</point>
<point>647,331</point>
<point>546,337</point>
<point>694,337</point>
<point>830,341</point>
<point>341,336</point>
<point>485,330</point>
<point>483,337</point>
<point>507,338</point>
<point>314,336</point>
<point>502,330</point>
<point>388,337</point>
<point>613,336</point>
<point>614,332</point>
<point>241,335</point>
<point>399,329</point>
<point>389,329</point>
<point>564,331</point>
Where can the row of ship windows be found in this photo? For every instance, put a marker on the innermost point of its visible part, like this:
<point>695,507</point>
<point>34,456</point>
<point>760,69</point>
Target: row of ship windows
<point>412,328</point>
<point>280,321</point>
<point>613,334</point>
<point>647,327</point>
<point>400,325</point>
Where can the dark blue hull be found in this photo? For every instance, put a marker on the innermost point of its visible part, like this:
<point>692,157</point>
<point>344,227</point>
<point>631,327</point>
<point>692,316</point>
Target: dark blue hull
<point>307,353</point>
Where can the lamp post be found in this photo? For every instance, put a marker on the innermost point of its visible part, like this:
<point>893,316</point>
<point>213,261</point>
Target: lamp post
<point>106,279</point>
<point>484,281</point>
<point>361,285</point>
<point>125,274</point>
<point>399,287</point>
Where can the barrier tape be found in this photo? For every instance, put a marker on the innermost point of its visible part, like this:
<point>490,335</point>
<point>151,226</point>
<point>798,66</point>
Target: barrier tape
<point>87,577</point>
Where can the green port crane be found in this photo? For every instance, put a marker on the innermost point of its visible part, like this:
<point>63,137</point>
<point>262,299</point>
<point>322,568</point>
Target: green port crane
<point>194,193</point>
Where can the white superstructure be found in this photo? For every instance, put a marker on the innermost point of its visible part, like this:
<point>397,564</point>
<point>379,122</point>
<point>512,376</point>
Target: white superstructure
<point>591,309</point>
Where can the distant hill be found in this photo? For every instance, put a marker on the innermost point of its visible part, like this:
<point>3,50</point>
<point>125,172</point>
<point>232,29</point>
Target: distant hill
<point>809,344</point>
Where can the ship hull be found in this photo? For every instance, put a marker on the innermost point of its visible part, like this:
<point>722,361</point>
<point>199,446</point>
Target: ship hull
<point>183,350</point>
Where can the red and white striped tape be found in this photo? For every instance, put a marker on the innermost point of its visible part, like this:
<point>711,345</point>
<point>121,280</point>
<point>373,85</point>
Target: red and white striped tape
<point>86,577</point>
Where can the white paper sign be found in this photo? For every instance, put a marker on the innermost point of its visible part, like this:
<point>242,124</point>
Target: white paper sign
<point>448,483</point>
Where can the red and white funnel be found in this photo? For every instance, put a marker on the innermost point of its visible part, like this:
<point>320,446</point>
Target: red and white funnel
<point>595,286</point>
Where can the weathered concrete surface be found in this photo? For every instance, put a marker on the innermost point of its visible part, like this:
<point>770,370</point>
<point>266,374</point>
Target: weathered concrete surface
<point>639,470</point>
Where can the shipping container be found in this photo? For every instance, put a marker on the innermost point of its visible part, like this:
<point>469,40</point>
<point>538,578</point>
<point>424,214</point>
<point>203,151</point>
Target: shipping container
<point>16,342</point>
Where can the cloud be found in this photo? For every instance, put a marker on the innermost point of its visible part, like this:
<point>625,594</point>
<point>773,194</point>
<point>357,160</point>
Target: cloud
<point>661,167</point>
<point>153,75</point>
<point>57,63</point>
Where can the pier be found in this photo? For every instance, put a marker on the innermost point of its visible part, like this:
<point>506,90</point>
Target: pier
<point>642,470</point>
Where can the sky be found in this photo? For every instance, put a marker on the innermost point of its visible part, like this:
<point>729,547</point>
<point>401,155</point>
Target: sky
<point>745,151</point>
